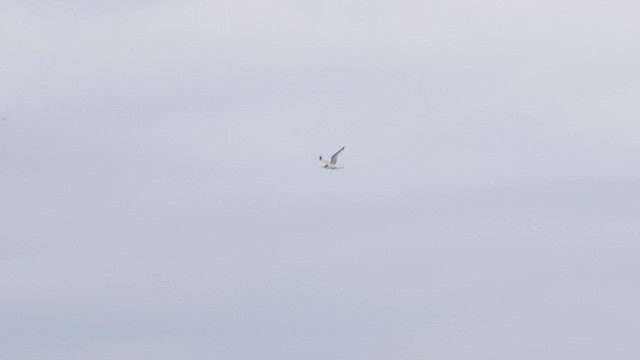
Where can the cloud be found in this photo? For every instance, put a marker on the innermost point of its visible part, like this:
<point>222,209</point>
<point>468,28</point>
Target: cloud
<point>161,194</point>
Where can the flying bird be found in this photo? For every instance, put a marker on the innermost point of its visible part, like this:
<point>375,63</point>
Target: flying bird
<point>332,164</point>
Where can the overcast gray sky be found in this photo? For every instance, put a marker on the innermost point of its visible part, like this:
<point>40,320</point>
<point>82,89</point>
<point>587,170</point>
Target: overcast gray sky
<point>160,194</point>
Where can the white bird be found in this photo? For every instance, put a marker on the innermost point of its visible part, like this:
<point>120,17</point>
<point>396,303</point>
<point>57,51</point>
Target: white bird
<point>332,164</point>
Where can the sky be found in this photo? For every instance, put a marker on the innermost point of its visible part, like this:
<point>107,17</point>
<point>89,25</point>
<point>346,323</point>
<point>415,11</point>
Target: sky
<point>161,197</point>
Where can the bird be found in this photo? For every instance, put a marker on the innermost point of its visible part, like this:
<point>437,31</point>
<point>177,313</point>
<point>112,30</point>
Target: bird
<point>332,164</point>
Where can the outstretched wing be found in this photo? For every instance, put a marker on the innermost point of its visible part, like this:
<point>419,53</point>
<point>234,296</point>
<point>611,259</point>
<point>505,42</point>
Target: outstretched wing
<point>334,158</point>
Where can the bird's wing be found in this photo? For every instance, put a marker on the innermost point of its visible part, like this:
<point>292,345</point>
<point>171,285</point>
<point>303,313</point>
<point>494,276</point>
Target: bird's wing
<point>334,158</point>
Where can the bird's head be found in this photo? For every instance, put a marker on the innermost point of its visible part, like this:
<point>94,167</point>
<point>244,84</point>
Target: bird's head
<point>325,165</point>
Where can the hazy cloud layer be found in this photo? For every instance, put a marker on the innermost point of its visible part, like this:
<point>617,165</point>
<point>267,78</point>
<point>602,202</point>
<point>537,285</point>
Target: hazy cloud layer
<point>160,194</point>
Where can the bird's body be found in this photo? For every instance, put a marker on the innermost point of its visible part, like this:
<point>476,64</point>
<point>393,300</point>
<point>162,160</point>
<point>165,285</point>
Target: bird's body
<point>331,165</point>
